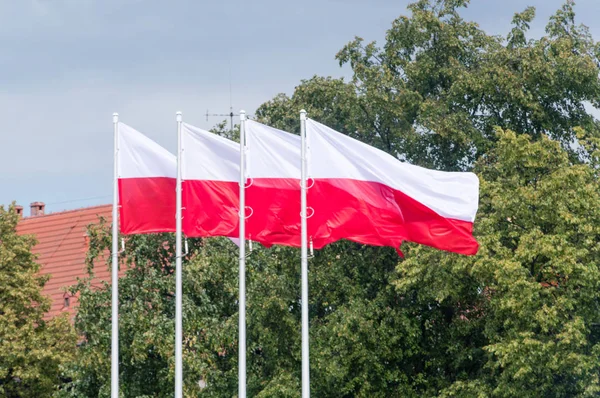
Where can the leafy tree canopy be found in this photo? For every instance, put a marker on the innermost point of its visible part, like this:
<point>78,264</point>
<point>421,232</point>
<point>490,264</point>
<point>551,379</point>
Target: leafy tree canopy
<point>435,91</point>
<point>32,349</point>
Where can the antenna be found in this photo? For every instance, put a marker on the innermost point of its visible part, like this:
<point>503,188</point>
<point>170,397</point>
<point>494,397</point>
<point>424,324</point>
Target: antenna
<point>230,95</point>
<point>230,114</point>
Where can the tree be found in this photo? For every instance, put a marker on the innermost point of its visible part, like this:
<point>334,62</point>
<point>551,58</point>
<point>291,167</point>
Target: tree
<point>210,288</point>
<point>32,349</point>
<point>146,320</point>
<point>532,291</point>
<point>435,94</point>
<point>146,326</point>
<point>435,91</point>
<point>518,319</point>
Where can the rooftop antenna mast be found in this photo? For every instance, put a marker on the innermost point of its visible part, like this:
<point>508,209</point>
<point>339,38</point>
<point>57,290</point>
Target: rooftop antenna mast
<point>230,114</point>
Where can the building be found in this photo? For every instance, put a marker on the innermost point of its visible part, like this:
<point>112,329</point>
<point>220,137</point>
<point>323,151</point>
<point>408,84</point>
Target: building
<point>62,247</point>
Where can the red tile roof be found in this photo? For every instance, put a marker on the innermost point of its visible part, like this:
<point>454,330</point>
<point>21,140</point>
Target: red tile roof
<point>61,249</point>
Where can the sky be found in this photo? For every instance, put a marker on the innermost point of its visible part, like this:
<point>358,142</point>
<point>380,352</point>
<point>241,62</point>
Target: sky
<point>67,65</point>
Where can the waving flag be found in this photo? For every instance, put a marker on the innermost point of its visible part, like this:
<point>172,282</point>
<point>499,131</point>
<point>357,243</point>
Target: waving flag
<point>365,195</point>
<point>146,180</point>
<point>273,193</point>
<point>210,174</point>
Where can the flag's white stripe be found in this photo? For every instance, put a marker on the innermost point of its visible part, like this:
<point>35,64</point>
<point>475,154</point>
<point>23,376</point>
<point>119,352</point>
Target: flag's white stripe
<point>207,156</point>
<point>337,156</point>
<point>140,157</point>
<point>272,153</point>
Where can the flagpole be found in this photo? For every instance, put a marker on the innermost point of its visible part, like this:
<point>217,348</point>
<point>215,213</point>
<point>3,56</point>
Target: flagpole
<point>114,351</point>
<point>242,286</point>
<point>178,286</point>
<point>304,268</point>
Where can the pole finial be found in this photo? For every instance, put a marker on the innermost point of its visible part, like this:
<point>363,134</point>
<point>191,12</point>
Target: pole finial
<point>115,117</point>
<point>242,115</point>
<point>302,114</point>
<point>179,117</point>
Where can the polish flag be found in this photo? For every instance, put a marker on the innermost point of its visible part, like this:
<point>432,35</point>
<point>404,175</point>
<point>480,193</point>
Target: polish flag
<point>210,173</point>
<point>146,178</point>
<point>363,194</point>
<point>273,193</point>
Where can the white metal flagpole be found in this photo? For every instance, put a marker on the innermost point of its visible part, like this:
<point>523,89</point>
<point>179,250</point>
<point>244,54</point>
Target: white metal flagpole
<point>114,351</point>
<point>178,286</point>
<point>304,268</point>
<point>242,286</point>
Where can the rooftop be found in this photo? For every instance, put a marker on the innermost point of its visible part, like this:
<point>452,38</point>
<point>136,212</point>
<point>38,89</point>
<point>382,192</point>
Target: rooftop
<point>61,249</point>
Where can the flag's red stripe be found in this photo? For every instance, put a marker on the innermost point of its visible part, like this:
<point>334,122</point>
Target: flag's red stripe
<point>210,208</point>
<point>376,214</point>
<point>365,212</point>
<point>147,205</point>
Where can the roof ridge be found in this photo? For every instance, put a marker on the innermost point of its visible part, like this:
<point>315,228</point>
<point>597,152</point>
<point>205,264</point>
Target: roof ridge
<point>64,212</point>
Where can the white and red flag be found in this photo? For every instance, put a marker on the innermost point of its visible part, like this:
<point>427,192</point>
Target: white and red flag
<point>273,181</point>
<point>368,196</point>
<point>210,172</point>
<point>146,180</point>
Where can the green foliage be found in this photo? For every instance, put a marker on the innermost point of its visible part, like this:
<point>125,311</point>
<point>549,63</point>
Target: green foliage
<point>532,291</point>
<point>146,320</point>
<point>519,319</point>
<point>32,349</point>
<point>224,130</point>
<point>210,319</point>
<point>435,91</point>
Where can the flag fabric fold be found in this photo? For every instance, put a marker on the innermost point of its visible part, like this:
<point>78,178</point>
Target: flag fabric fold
<point>146,181</point>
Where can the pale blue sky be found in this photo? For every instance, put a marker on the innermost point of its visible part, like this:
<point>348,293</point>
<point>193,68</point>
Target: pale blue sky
<point>67,65</point>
